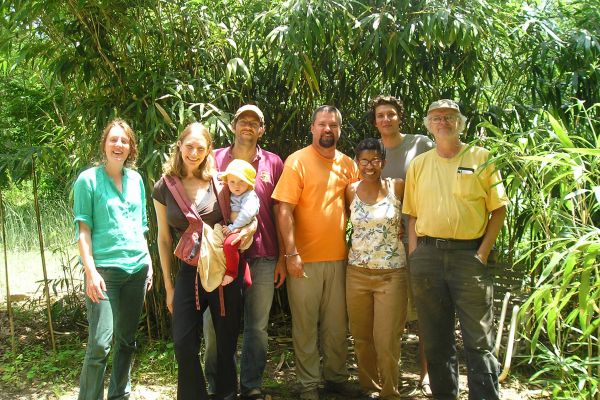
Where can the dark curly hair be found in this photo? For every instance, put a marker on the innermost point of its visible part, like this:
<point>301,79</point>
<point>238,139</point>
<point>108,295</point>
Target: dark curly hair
<point>385,100</point>
<point>370,144</point>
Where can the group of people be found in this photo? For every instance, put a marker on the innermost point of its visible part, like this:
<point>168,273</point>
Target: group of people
<point>424,216</point>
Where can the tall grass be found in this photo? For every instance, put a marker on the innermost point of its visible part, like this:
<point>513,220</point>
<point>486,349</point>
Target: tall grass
<point>21,230</point>
<point>552,176</point>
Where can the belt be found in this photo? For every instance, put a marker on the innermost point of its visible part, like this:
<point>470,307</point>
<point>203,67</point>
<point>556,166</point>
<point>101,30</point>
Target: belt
<point>449,244</point>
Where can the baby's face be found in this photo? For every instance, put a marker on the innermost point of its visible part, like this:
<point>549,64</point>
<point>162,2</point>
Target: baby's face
<point>236,185</point>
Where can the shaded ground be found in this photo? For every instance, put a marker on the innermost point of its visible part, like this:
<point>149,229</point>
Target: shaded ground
<point>279,379</point>
<point>154,376</point>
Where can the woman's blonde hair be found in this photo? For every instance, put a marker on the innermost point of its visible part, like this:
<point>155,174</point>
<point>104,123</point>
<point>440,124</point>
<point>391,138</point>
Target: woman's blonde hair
<point>133,151</point>
<point>175,166</point>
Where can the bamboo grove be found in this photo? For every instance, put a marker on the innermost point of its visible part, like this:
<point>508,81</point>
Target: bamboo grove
<point>527,75</point>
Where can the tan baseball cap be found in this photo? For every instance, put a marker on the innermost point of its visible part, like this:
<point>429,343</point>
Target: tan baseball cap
<point>443,103</point>
<point>250,108</point>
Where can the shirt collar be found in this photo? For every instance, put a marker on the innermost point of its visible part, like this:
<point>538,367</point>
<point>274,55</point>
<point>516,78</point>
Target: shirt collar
<point>258,156</point>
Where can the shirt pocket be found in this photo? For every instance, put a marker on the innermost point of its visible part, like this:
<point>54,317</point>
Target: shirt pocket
<point>466,186</point>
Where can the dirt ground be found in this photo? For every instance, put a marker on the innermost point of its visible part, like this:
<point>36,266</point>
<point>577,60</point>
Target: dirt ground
<point>280,378</point>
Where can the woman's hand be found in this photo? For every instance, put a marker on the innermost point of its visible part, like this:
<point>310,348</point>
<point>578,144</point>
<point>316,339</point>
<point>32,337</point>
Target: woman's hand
<point>169,299</point>
<point>95,286</point>
<point>94,283</point>
<point>245,234</point>
<point>149,278</point>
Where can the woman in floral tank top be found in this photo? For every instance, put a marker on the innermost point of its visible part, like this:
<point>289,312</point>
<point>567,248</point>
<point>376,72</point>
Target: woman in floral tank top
<point>376,278</point>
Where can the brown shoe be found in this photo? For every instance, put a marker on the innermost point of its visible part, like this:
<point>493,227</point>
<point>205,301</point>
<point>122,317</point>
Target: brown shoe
<point>311,394</point>
<point>345,388</point>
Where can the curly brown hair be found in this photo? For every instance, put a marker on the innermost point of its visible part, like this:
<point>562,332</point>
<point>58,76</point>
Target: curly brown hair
<point>133,150</point>
<point>385,100</point>
<point>175,166</point>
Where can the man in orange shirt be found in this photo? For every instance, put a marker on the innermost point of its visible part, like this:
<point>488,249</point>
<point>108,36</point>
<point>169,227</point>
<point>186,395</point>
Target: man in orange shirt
<point>312,221</point>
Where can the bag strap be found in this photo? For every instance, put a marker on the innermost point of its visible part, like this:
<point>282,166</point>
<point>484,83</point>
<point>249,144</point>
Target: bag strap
<point>176,188</point>
<point>223,197</point>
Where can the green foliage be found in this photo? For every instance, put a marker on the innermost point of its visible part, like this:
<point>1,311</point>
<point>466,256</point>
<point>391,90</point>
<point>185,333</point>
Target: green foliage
<point>21,231</point>
<point>156,360</point>
<point>552,177</point>
<point>527,73</point>
<point>36,362</point>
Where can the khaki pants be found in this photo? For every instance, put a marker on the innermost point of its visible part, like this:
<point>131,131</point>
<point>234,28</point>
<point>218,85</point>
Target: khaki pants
<point>318,305</point>
<point>377,312</point>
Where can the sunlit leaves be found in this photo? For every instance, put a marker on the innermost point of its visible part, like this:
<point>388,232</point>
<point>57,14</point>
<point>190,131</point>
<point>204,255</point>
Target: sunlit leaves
<point>555,167</point>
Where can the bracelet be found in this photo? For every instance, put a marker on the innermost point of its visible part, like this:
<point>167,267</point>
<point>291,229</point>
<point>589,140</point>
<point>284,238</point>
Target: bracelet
<point>291,255</point>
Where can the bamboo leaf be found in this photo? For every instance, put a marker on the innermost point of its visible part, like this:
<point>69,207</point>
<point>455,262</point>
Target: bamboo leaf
<point>549,268</point>
<point>568,266</point>
<point>560,131</point>
<point>309,73</point>
<point>164,114</point>
<point>551,324</point>
<point>584,151</point>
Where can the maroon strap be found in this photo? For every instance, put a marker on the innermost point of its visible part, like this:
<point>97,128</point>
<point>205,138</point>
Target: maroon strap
<point>223,197</point>
<point>221,301</point>
<point>176,188</point>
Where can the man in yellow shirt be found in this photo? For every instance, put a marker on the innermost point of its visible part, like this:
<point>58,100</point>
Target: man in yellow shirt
<point>312,221</point>
<point>457,205</point>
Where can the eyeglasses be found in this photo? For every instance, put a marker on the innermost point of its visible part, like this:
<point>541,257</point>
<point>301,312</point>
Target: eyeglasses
<point>376,162</point>
<point>445,118</point>
<point>248,123</point>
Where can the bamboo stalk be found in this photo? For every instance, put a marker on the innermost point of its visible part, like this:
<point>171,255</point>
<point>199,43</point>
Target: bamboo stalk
<point>41,242</point>
<point>590,348</point>
<point>8,300</point>
<point>598,366</point>
<point>148,320</point>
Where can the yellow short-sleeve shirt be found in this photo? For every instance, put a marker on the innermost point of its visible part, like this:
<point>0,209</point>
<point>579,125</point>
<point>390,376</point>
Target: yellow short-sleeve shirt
<point>452,198</point>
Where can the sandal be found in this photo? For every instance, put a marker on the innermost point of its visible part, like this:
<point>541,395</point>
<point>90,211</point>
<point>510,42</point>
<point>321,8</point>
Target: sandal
<point>409,391</point>
<point>255,394</point>
<point>426,389</point>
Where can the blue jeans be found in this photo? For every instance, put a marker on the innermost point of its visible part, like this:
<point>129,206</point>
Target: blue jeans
<point>117,316</point>
<point>257,306</point>
<point>447,283</point>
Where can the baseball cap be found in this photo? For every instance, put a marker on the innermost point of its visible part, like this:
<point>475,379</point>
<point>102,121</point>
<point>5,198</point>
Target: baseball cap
<point>443,103</point>
<point>250,108</point>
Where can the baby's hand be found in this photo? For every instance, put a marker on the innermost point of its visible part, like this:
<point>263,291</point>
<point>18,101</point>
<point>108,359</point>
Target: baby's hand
<point>227,280</point>
<point>225,229</point>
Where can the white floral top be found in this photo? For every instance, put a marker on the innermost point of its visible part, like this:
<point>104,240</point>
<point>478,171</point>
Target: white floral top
<point>375,240</point>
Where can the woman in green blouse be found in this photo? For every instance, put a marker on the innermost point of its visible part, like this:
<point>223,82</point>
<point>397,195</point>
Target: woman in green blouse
<point>110,222</point>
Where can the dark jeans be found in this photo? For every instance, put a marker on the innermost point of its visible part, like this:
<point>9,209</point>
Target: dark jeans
<point>116,317</point>
<point>447,283</point>
<point>187,326</point>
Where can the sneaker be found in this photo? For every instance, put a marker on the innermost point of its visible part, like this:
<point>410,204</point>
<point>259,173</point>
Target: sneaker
<point>254,394</point>
<point>311,394</point>
<point>371,396</point>
<point>345,388</point>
